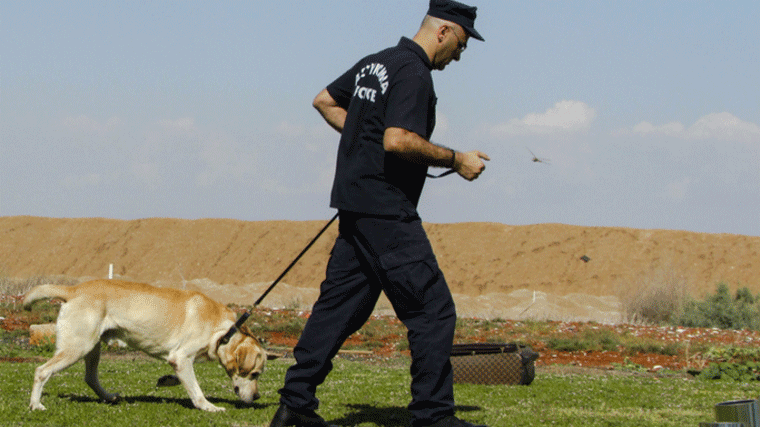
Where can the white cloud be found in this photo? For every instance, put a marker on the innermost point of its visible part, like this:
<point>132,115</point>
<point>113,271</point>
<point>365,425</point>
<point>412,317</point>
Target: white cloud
<point>84,131</point>
<point>147,173</point>
<point>565,117</point>
<point>319,138</point>
<point>82,181</point>
<point>672,128</point>
<point>289,130</point>
<point>224,159</point>
<point>677,190</point>
<point>722,126</point>
<point>184,125</point>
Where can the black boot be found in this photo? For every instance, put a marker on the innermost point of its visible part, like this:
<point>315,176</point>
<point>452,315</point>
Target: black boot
<point>452,421</point>
<point>297,418</point>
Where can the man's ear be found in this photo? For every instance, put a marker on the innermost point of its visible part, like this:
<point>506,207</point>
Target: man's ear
<point>441,33</point>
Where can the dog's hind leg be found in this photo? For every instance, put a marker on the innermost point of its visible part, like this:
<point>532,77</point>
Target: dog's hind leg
<point>76,335</point>
<point>91,375</point>
<point>62,359</point>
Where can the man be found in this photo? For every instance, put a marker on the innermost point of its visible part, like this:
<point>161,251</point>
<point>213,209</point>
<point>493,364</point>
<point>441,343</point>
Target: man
<point>384,108</point>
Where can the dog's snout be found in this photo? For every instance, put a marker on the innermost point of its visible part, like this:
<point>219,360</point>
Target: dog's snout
<point>246,390</point>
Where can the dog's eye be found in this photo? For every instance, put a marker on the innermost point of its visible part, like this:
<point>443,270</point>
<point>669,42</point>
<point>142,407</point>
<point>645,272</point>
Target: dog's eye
<point>251,375</point>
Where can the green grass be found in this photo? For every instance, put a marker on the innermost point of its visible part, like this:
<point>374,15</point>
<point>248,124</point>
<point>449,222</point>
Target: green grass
<point>375,392</point>
<point>590,339</point>
<point>362,394</point>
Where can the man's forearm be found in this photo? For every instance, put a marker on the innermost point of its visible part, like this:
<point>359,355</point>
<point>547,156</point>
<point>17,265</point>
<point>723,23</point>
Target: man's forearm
<point>416,149</point>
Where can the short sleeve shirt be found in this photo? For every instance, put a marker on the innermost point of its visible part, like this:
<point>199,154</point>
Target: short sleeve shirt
<point>391,88</point>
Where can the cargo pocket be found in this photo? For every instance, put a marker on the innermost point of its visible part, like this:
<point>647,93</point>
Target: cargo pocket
<point>412,278</point>
<point>406,255</point>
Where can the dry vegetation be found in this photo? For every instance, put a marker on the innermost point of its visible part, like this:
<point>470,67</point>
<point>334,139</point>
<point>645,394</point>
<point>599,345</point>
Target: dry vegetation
<point>656,298</point>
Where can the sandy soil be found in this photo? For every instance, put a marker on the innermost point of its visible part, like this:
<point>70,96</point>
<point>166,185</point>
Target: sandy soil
<point>544,271</point>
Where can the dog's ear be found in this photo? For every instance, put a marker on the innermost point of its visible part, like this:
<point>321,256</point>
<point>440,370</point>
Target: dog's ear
<point>249,359</point>
<point>245,330</point>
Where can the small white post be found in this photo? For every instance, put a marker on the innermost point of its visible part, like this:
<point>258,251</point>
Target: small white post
<point>110,271</point>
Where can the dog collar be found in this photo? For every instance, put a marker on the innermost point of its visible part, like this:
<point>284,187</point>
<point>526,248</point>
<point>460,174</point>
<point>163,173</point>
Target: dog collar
<point>226,338</point>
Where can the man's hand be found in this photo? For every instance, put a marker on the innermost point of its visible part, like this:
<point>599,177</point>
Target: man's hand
<point>470,165</point>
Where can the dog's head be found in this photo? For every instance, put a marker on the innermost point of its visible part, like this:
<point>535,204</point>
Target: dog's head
<point>243,358</point>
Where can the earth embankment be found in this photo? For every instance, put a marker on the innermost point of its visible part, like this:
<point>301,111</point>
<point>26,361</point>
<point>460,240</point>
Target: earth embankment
<point>495,270</point>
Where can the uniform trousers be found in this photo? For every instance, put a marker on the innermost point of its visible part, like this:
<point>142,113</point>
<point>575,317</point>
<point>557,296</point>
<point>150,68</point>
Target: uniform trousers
<point>373,255</point>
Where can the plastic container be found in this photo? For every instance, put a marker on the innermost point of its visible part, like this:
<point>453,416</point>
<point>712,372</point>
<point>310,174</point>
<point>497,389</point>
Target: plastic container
<point>741,411</point>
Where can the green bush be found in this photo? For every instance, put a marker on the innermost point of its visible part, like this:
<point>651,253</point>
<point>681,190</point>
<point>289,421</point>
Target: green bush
<point>742,372</point>
<point>721,310</point>
<point>732,354</point>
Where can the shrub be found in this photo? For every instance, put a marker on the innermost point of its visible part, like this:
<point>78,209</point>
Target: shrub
<point>654,299</point>
<point>732,354</point>
<point>741,372</point>
<point>721,310</point>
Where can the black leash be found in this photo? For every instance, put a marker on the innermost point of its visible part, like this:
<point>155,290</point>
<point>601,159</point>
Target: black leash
<point>441,175</point>
<point>277,280</point>
<point>243,317</point>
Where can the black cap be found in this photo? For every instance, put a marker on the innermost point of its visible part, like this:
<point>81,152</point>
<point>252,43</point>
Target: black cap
<point>457,13</point>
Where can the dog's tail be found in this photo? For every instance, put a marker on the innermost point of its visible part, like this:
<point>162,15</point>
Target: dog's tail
<point>46,292</point>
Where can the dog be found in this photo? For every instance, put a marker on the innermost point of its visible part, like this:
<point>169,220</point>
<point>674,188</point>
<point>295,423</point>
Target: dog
<point>170,324</point>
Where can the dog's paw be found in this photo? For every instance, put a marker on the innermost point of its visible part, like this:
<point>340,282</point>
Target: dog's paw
<point>168,381</point>
<point>112,399</point>
<point>37,407</point>
<point>210,407</point>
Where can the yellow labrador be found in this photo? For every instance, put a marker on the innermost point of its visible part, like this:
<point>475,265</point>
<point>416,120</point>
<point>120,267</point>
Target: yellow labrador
<point>170,324</point>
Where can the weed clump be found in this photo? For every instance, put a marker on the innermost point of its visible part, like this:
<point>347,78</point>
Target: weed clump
<point>590,339</point>
<point>656,299</point>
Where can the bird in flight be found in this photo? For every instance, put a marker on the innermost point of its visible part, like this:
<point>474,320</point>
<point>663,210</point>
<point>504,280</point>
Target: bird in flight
<point>537,159</point>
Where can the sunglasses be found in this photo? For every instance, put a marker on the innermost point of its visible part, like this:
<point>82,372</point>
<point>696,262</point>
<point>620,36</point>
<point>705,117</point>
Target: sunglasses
<point>460,46</point>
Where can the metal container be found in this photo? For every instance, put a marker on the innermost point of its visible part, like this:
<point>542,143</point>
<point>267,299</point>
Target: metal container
<point>743,411</point>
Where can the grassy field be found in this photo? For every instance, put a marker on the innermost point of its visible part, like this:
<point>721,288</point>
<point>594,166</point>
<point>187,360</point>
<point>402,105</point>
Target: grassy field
<point>361,393</point>
<point>374,391</point>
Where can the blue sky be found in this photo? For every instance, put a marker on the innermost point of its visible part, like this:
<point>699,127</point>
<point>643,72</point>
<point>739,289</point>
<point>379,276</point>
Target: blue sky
<point>648,112</point>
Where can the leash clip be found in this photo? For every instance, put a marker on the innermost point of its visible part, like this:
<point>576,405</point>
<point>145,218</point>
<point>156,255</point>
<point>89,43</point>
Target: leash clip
<point>226,338</point>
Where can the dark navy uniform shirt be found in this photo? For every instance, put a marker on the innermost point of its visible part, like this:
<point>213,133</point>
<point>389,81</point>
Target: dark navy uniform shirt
<point>391,88</point>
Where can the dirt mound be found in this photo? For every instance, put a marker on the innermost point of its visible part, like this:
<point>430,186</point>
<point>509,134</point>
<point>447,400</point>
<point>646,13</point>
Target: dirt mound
<point>550,271</point>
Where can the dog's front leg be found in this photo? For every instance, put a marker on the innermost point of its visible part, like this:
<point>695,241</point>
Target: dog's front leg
<point>183,367</point>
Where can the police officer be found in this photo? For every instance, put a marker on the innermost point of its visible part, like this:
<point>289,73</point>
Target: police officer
<point>384,109</point>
